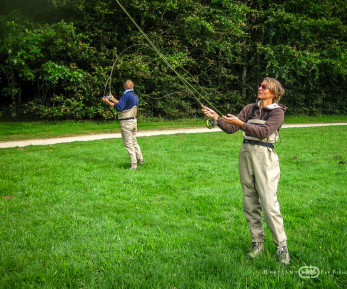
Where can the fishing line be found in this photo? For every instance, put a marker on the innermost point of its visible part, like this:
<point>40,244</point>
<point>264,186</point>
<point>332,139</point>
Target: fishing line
<point>188,86</point>
<point>166,95</point>
<point>109,79</point>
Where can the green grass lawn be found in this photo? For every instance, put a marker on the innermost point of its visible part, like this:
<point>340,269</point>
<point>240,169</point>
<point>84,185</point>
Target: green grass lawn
<point>47,129</point>
<point>18,130</point>
<point>73,216</point>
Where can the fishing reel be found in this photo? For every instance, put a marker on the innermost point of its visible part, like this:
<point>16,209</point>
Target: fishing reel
<point>108,97</point>
<point>211,123</point>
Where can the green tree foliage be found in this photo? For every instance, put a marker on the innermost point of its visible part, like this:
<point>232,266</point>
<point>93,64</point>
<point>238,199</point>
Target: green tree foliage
<point>304,44</point>
<point>58,66</point>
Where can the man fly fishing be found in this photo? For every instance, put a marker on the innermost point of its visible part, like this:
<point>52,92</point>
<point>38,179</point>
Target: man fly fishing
<point>127,113</point>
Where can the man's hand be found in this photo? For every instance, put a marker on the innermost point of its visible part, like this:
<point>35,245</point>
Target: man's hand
<point>113,99</point>
<point>112,102</point>
<point>107,101</point>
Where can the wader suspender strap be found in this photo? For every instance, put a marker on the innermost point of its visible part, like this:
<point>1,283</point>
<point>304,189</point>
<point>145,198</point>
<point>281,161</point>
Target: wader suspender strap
<point>253,142</point>
<point>135,100</point>
<point>135,103</point>
<point>253,112</point>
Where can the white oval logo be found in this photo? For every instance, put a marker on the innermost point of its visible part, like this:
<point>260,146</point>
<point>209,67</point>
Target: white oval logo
<point>308,272</point>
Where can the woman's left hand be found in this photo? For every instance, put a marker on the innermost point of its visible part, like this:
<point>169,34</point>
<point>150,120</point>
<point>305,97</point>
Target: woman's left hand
<point>232,119</point>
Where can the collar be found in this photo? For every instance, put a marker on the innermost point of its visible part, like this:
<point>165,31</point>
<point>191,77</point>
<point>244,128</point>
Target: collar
<point>270,106</point>
<point>273,106</point>
<point>127,91</point>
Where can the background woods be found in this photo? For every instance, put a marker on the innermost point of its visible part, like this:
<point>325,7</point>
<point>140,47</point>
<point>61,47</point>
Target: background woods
<point>57,55</point>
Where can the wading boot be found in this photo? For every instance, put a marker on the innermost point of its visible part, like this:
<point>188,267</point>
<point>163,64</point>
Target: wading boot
<point>257,248</point>
<point>133,167</point>
<point>283,255</point>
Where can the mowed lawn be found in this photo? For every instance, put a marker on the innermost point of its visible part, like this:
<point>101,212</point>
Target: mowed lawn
<point>73,215</point>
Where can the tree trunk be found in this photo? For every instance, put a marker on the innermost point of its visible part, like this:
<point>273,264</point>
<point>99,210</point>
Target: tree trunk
<point>13,97</point>
<point>244,74</point>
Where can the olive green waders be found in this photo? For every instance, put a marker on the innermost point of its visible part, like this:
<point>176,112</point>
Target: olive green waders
<point>259,175</point>
<point>128,123</point>
<point>128,130</point>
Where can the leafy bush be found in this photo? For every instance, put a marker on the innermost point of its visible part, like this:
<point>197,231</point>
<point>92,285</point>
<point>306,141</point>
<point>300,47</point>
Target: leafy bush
<point>60,67</point>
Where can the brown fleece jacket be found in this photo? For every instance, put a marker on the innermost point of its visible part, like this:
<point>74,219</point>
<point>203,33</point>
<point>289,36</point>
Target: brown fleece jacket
<point>273,123</point>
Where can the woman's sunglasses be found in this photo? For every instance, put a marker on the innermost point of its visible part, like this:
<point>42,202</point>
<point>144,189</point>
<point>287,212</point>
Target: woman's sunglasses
<point>263,86</point>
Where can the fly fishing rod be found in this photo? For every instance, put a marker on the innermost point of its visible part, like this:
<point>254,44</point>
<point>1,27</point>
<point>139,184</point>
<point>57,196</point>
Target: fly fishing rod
<point>210,123</point>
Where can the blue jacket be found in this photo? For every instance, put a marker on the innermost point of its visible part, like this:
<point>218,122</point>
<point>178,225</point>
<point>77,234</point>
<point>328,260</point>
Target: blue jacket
<point>127,101</point>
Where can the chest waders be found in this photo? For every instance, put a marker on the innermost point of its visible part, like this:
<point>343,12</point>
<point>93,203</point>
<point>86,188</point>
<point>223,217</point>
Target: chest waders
<point>129,113</point>
<point>259,175</point>
<point>267,142</point>
<point>128,123</point>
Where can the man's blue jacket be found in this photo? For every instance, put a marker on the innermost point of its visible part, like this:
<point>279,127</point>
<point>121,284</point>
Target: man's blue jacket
<point>127,101</point>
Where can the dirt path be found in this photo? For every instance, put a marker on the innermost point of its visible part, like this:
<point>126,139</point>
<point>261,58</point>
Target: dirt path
<point>23,143</point>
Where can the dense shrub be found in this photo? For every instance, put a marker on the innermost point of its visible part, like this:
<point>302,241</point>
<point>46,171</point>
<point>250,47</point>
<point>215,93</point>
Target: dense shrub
<point>58,67</point>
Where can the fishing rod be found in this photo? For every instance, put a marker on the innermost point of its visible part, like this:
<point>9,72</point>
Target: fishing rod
<point>210,123</point>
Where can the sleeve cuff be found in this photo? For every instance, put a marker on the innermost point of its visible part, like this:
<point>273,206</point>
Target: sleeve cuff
<point>244,126</point>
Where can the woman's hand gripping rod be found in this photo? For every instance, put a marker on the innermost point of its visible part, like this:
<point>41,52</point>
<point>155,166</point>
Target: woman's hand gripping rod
<point>211,122</point>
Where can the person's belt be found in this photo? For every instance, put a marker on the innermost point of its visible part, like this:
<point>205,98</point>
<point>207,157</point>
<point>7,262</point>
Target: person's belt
<point>128,118</point>
<point>255,142</point>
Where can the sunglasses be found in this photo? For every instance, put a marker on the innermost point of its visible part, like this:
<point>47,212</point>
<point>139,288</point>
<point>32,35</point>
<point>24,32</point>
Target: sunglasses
<point>263,86</point>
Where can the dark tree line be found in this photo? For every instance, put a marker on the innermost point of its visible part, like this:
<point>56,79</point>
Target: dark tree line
<point>57,55</point>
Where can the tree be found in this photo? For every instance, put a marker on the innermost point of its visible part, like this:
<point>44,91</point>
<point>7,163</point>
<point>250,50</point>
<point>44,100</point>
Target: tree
<point>60,66</point>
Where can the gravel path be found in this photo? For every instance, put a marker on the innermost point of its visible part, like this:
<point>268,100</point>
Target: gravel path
<point>50,141</point>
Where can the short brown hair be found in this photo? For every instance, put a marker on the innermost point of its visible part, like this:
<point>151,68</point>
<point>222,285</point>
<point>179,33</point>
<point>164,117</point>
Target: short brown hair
<point>128,84</point>
<point>275,87</point>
